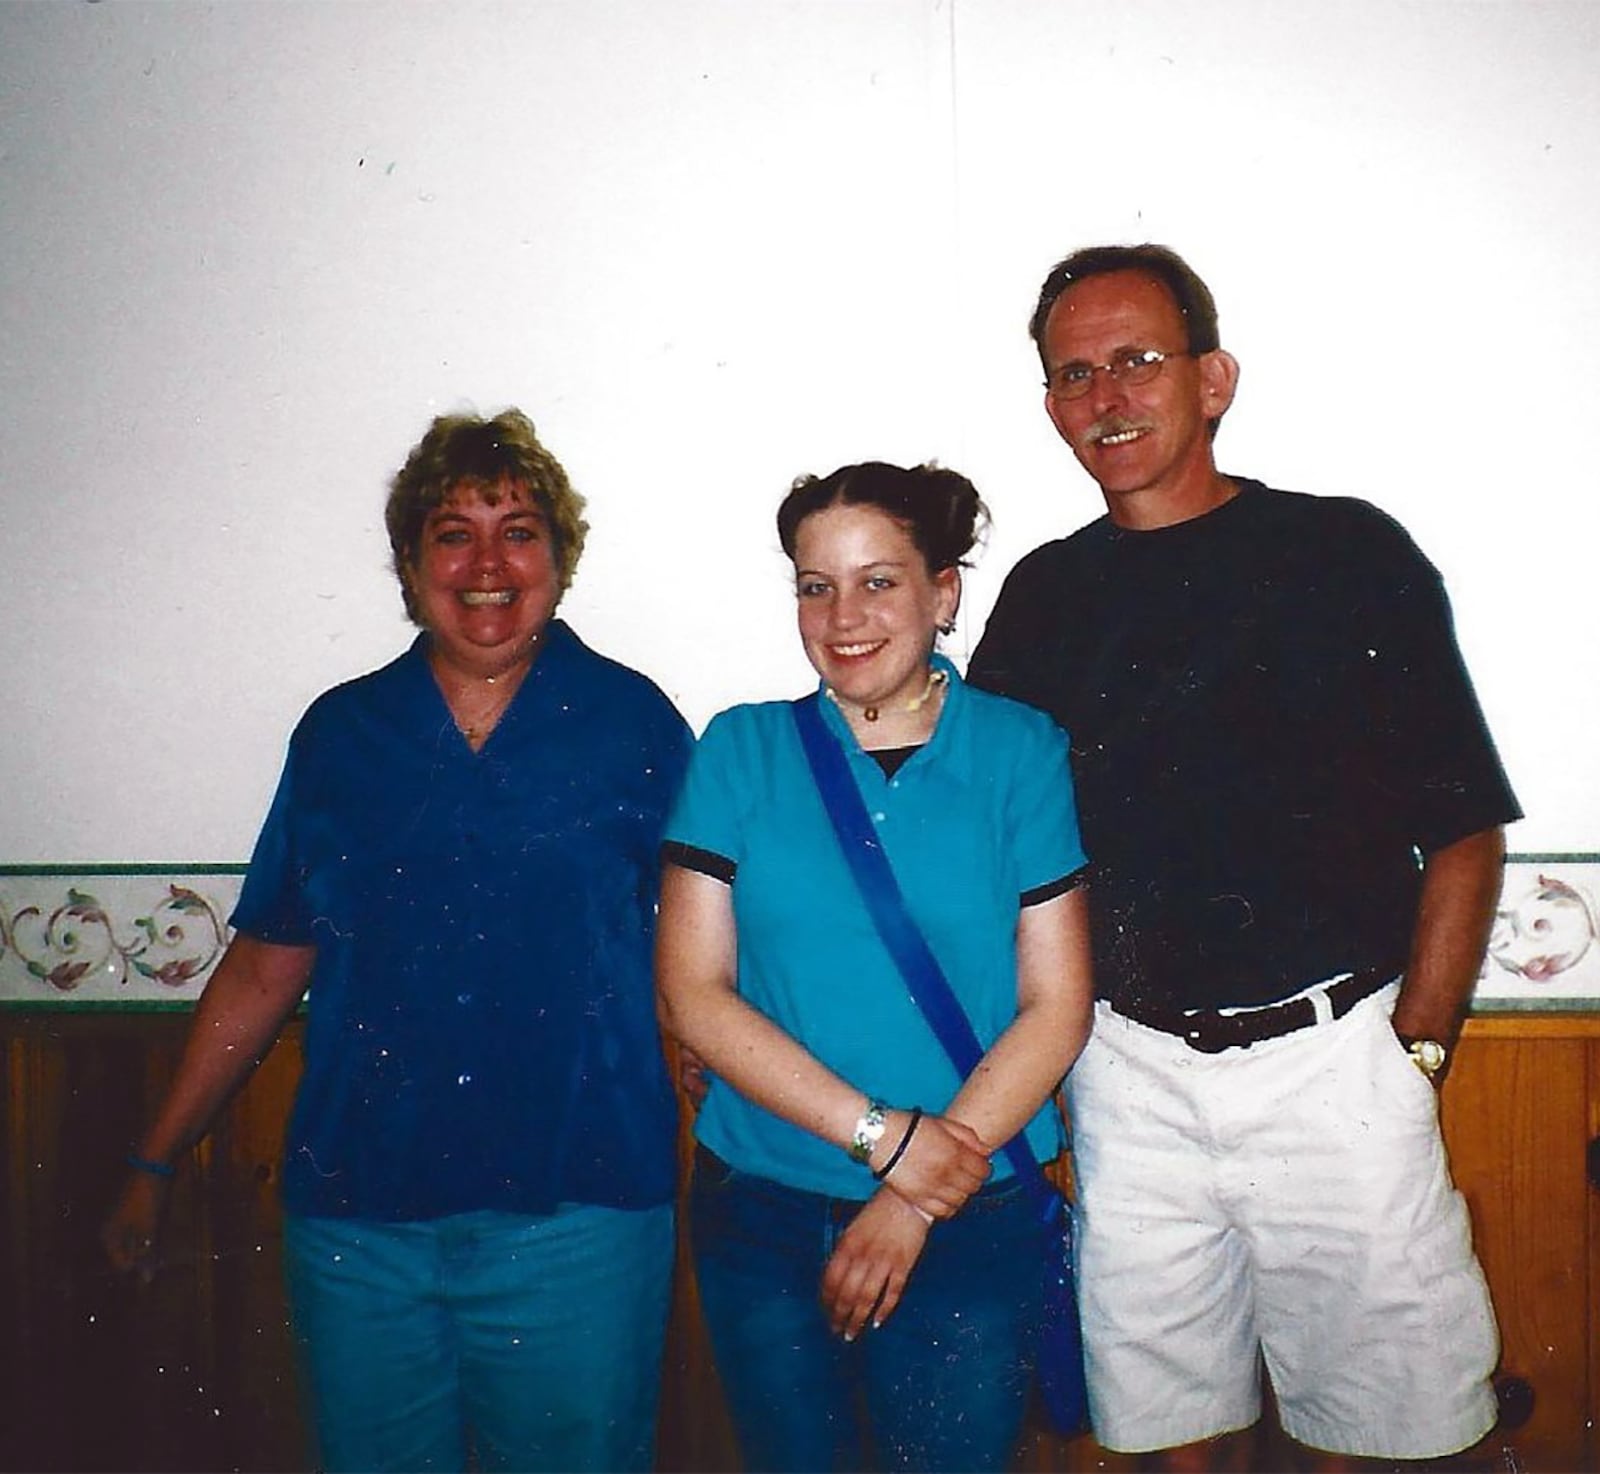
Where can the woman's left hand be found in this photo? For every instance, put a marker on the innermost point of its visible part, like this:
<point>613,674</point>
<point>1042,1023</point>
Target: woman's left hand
<point>867,1272</point>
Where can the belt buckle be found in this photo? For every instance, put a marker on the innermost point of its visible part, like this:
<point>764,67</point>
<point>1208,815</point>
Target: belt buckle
<point>1211,1033</point>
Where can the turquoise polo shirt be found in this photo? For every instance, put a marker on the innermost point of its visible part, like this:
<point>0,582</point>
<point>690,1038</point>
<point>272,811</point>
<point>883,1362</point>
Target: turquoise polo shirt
<point>974,821</point>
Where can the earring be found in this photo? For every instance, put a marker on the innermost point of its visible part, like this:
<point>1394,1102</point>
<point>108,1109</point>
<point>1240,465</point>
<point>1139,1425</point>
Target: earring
<point>948,627</point>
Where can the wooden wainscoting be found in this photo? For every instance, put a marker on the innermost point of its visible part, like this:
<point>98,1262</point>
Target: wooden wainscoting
<point>1521,1117</point>
<point>193,1372</point>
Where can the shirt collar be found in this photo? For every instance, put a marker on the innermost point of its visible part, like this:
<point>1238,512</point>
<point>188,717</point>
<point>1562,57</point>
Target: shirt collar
<point>559,647</point>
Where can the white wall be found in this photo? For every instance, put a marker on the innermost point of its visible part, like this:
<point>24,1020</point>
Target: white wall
<point>247,250</point>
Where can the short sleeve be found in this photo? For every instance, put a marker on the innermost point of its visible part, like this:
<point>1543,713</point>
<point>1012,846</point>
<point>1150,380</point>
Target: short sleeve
<point>667,745</point>
<point>1012,656</point>
<point>272,902</point>
<point>707,813</point>
<point>1440,758</point>
<point>1041,806</point>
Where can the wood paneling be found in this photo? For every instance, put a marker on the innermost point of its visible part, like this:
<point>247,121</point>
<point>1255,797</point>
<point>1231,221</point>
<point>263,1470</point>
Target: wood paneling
<point>1519,1110</point>
<point>193,1371</point>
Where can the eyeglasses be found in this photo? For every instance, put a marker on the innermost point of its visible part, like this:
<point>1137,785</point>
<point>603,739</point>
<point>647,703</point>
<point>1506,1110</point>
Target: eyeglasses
<point>1126,366</point>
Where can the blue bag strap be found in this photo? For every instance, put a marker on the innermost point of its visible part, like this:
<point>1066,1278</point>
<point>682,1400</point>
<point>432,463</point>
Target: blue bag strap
<point>925,980</point>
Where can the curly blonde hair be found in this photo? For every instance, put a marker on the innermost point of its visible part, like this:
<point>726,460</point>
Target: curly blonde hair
<point>469,453</point>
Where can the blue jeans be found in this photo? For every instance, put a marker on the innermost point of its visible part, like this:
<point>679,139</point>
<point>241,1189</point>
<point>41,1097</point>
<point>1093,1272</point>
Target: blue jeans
<point>942,1385</point>
<point>537,1339</point>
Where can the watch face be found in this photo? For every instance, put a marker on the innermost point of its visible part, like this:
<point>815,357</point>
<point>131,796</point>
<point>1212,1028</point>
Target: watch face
<point>1429,1054</point>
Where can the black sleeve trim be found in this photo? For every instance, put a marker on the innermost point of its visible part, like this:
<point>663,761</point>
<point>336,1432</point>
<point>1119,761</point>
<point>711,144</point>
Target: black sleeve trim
<point>1051,889</point>
<point>706,862</point>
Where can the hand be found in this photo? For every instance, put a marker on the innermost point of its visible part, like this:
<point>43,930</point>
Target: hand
<point>693,1077</point>
<point>132,1231</point>
<point>868,1269</point>
<point>943,1166</point>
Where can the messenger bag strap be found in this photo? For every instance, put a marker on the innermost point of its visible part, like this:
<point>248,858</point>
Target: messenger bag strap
<point>925,980</point>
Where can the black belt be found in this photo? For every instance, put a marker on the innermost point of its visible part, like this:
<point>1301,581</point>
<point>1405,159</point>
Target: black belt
<point>1211,1032</point>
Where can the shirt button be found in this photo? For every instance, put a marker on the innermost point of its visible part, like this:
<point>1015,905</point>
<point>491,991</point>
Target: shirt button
<point>879,818</point>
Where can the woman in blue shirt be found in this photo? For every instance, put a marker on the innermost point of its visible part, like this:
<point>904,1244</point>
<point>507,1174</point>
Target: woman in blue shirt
<point>871,1278</point>
<point>460,865</point>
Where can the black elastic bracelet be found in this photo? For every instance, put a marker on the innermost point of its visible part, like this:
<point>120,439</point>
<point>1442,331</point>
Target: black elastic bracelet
<point>155,1169</point>
<point>900,1151</point>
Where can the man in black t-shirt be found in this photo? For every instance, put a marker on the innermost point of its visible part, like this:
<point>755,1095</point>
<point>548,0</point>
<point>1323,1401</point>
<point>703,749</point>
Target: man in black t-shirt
<point>1294,813</point>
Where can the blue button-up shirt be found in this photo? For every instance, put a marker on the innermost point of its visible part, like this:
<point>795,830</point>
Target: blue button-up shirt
<point>481,1029</point>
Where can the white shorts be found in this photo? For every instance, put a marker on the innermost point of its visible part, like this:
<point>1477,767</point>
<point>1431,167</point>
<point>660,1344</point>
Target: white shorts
<point>1293,1200</point>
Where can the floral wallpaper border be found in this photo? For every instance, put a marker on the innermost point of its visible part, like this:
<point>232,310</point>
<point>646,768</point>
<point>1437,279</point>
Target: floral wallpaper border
<point>112,936</point>
<point>148,936</point>
<point>1544,949</point>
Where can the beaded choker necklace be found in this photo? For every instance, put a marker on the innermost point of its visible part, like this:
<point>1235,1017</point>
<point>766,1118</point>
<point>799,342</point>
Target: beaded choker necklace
<point>936,679</point>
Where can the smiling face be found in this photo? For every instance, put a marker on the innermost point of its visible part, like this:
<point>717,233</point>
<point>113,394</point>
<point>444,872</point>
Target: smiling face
<point>1147,445</point>
<point>484,579</point>
<point>869,609</point>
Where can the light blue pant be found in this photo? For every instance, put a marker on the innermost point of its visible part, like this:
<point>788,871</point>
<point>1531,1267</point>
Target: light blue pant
<point>537,1339</point>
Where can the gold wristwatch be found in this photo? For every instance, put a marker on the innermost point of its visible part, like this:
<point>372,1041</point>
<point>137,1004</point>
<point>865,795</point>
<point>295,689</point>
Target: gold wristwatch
<point>1428,1055</point>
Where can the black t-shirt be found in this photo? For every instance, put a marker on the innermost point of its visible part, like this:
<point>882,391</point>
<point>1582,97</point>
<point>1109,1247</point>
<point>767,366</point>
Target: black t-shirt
<point>1269,720</point>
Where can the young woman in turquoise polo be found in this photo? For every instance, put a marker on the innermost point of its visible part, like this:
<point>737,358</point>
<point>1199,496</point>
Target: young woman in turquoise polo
<point>871,1271</point>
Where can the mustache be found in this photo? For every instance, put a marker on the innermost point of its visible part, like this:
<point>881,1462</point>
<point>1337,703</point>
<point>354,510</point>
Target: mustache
<point>1114,425</point>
